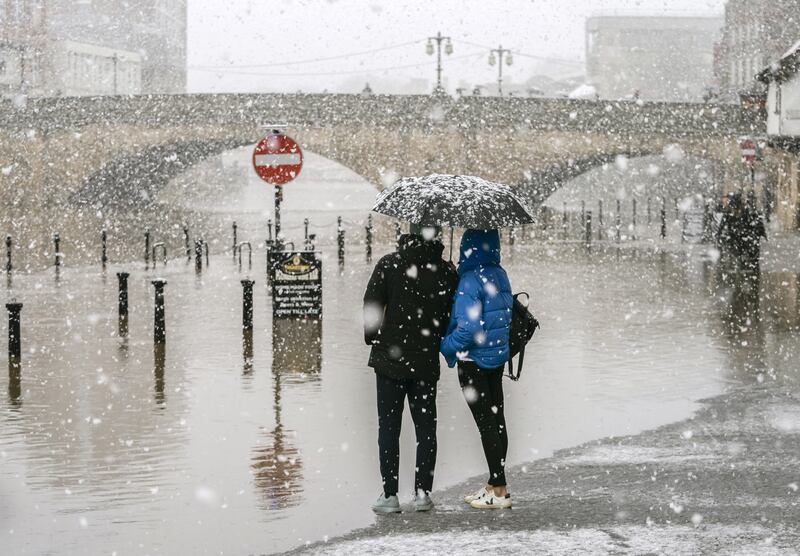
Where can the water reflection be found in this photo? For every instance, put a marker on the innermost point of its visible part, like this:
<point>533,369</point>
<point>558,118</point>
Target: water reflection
<point>276,463</point>
<point>15,382</point>
<point>159,355</point>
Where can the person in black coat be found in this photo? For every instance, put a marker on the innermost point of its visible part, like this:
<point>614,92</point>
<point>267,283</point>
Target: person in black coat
<point>406,311</point>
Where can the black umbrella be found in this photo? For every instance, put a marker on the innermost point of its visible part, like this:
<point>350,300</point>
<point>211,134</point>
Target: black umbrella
<point>447,200</point>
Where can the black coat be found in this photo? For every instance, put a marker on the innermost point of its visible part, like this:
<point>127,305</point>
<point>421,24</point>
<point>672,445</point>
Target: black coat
<point>407,307</point>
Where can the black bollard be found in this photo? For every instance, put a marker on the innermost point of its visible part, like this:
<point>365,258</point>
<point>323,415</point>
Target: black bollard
<point>564,220</point>
<point>103,247</point>
<point>14,336</point>
<point>8,254</point>
<point>147,248</point>
<point>368,236</point>
<point>269,226</point>
<point>159,360</point>
<point>600,219</point>
<point>306,241</point>
<point>588,228</point>
<point>247,305</point>
<point>583,214</point>
<point>649,213</point>
<point>663,218</point>
<point>340,240</point>
<point>235,241</point>
<point>618,221</point>
<point>186,242</point>
<point>159,325</point>
<point>57,248</point>
<point>198,255</point>
<point>122,278</point>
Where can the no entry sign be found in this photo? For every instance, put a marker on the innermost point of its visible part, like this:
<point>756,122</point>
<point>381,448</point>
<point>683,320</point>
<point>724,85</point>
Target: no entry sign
<point>277,159</point>
<point>748,148</point>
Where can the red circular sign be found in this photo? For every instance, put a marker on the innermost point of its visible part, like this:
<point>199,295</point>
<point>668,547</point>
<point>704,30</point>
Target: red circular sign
<point>749,151</point>
<point>277,159</point>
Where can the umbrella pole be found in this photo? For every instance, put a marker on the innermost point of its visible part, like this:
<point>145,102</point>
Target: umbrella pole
<point>451,244</point>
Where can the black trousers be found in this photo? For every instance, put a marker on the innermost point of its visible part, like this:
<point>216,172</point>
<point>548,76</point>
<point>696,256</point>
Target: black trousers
<point>483,390</point>
<point>422,402</point>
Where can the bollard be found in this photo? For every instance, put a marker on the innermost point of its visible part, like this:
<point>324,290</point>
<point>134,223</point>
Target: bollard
<point>340,240</point>
<point>600,219</point>
<point>708,231</point>
<point>649,219</point>
<point>186,242</point>
<point>198,255</point>
<point>683,228</point>
<point>159,360</point>
<point>247,305</point>
<point>122,309</point>
<point>269,225</point>
<point>633,222</point>
<point>588,228</point>
<point>14,336</point>
<point>618,221</point>
<point>397,232</point>
<point>677,209</point>
<point>103,244</point>
<point>235,241</point>
<point>159,325</point>
<point>564,220</point>
<point>583,214</point>
<point>147,248</point>
<point>512,236</point>
<point>57,248</point>
<point>8,254</point>
<point>663,218</point>
<point>368,236</point>
<point>305,234</point>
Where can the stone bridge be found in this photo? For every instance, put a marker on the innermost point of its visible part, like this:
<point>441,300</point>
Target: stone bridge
<point>106,148</point>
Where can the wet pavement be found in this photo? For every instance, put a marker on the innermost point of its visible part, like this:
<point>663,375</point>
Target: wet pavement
<point>222,445</point>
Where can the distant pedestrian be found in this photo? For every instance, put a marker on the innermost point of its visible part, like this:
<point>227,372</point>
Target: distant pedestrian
<point>406,309</point>
<point>477,341</point>
<point>741,231</point>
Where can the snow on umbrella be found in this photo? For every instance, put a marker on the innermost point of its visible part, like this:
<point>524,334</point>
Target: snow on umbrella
<point>447,200</point>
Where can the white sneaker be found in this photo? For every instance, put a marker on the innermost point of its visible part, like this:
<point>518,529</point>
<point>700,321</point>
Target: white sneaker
<point>386,505</point>
<point>422,502</point>
<point>492,502</point>
<point>475,495</point>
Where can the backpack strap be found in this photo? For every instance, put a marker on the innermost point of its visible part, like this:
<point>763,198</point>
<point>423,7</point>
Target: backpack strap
<point>511,374</point>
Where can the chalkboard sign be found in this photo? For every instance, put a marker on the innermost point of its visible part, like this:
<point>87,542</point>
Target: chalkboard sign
<point>693,225</point>
<point>296,279</point>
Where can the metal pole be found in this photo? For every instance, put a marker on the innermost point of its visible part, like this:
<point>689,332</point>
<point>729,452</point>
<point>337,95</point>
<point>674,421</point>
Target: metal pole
<point>57,246</point>
<point>600,219</point>
<point>564,220</point>
<point>8,254</point>
<point>649,219</point>
<point>340,240</point>
<point>278,199</point>
<point>159,325</point>
<point>663,218</point>
<point>247,305</point>
<point>439,60</point>
<point>583,214</point>
<point>122,310</point>
<point>588,229</point>
<point>14,336</point>
<point>186,242</point>
<point>198,255</point>
<point>234,239</point>
<point>369,238</point>
<point>103,242</point>
<point>147,248</point>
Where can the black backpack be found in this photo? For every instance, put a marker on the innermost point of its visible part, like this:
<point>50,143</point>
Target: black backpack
<point>523,325</point>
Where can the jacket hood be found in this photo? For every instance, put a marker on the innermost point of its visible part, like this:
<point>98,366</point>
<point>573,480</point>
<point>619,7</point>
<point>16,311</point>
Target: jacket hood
<point>479,248</point>
<point>415,248</point>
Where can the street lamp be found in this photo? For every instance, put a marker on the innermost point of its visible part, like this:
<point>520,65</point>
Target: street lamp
<point>448,49</point>
<point>501,52</point>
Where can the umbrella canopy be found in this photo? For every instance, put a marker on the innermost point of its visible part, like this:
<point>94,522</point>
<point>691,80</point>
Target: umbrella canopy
<point>447,200</point>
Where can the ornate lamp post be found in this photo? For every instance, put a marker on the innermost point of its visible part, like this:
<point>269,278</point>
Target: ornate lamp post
<point>500,51</point>
<point>448,49</point>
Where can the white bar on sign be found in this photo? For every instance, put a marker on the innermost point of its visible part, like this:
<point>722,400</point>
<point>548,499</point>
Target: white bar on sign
<point>277,159</point>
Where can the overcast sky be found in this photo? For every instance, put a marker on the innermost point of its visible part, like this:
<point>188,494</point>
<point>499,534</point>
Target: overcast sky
<point>273,45</point>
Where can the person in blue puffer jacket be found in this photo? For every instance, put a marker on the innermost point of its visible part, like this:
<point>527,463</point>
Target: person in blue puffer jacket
<point>477,341</point>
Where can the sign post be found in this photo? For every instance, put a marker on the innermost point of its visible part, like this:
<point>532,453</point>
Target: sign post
<point>277,159</point>
<point>749,151</point>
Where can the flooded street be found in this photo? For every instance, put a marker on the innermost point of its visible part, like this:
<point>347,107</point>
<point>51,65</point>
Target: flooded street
<point>219,446</point>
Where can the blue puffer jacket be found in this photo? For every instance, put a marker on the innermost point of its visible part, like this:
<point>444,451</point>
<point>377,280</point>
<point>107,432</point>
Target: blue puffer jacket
<point>481,317</point>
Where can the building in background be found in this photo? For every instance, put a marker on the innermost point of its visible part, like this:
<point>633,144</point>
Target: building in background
<point>92,47</point>
<point>756,34</point>
<point>652,58</point>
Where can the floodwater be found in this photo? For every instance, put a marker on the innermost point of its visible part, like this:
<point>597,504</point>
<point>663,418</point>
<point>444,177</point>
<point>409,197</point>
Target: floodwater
<point>220,444</point>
